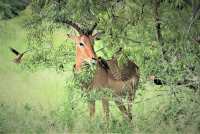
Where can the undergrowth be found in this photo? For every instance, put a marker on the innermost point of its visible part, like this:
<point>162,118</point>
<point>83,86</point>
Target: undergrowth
<point>156,109</point>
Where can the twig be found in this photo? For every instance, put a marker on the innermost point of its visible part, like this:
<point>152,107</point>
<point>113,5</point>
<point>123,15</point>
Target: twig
<point>129,39</point>
<point>150,98</point>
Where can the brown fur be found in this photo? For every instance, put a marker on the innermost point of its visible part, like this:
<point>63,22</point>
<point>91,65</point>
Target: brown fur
<point>122,82</point>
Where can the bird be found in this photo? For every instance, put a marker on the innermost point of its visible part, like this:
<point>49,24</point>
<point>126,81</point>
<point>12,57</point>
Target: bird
<point>156,80</point>
<point>19,55</point>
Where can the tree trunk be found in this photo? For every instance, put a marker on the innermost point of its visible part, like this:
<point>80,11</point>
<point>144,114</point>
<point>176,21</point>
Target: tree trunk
<point>156,6</point>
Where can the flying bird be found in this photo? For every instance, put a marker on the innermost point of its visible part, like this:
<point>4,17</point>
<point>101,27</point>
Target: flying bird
<point>19,55</point>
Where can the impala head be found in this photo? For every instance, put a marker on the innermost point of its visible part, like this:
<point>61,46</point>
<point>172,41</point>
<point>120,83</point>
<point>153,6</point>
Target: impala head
<point>84,45</point>
<point>84,49</point>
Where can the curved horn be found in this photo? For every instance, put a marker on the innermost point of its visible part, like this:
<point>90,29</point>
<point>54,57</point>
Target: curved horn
<point>92,29</point>
<point>76,26</point>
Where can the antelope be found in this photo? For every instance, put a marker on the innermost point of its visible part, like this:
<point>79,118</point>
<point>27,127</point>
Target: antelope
<point>122,82</point>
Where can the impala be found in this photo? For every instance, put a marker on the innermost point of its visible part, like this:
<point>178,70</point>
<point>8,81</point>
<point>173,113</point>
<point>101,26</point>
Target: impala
<point>122,81</point>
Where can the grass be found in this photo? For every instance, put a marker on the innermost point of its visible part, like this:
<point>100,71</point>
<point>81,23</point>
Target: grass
<point>40,101</point>
<point>27,99</point>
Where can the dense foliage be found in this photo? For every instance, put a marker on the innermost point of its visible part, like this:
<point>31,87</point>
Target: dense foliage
<point>11,8</point>
<point>159,35</point>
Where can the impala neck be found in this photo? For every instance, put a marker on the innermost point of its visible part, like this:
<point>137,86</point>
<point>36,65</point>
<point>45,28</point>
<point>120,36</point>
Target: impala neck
<point>80,58</point>
<point>79,61</point>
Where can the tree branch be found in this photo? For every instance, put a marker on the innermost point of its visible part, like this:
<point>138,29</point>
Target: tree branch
<point>129,39</point>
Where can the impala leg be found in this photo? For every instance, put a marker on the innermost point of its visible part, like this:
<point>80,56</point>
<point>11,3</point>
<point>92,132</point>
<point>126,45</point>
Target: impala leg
<point>91,105</point>
<point>131,97</point>
<point>121,106</point>
<point>105,105</point>
<point>130,101</point>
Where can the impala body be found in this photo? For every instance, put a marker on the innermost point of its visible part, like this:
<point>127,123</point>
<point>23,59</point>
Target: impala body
<point>122,81</point>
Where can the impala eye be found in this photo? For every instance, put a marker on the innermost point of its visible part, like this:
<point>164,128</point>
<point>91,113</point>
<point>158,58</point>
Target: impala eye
<point>81,44</point>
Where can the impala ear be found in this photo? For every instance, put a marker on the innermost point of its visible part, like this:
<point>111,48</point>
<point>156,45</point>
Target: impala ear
<point>95,36</point>
<point>72,37</point>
